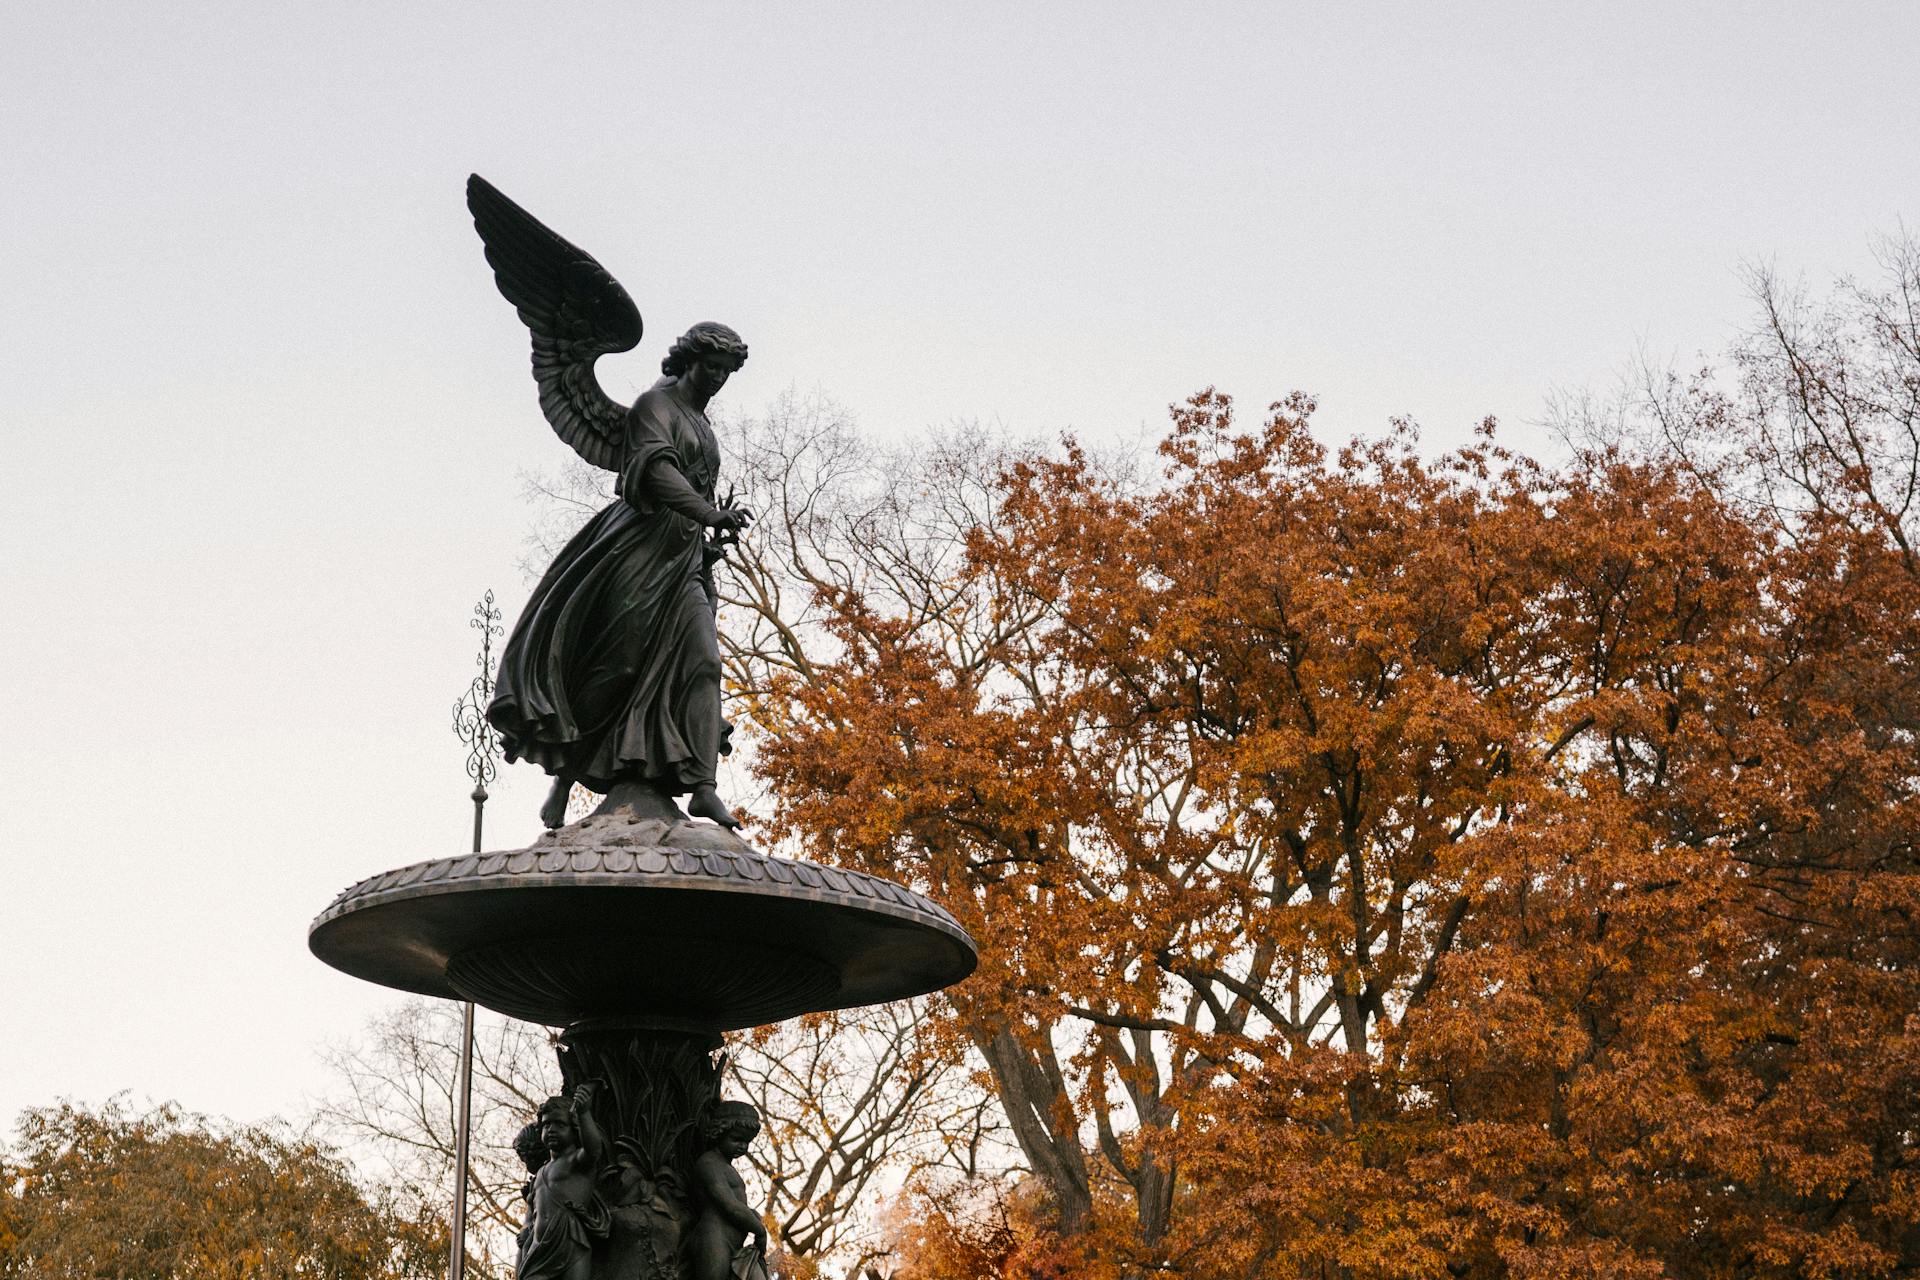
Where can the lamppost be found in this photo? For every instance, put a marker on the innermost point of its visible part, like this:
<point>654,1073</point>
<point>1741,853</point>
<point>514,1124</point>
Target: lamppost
<point>483,750</point>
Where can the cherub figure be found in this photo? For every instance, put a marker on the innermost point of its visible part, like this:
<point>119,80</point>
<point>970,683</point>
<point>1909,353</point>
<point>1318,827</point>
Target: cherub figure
<point>714,1250</point>
<point>533,1154</point>
<point>567,1214</point>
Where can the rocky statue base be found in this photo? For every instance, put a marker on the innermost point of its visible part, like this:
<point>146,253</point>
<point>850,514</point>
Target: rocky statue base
<point>645,936</point>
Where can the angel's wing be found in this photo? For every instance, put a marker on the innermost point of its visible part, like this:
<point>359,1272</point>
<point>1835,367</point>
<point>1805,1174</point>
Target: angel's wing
<point>577,313</point>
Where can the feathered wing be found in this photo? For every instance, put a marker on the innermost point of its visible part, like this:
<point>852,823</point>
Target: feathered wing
<point>576,312</point>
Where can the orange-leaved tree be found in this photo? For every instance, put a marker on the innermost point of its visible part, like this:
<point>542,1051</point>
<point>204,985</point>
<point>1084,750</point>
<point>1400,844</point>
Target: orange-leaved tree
<point>1383,866</point>
<point>112,1192</point>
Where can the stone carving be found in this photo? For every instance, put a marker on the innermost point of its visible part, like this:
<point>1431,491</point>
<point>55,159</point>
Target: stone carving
<point>612,674</point>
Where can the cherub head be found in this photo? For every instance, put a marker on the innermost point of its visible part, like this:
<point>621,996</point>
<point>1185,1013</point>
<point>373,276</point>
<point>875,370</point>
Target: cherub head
<point>730,1128</point>
<point>558,1129</point>
<point>530,1147</point>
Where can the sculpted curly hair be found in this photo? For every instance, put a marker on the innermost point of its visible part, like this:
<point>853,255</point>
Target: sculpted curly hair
<point>527,1145</point>
<point>730,1117</point>
<point>704,339</point>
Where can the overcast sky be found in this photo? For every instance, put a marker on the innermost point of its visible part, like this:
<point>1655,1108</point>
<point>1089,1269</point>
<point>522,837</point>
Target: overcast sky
<point>263,417</point>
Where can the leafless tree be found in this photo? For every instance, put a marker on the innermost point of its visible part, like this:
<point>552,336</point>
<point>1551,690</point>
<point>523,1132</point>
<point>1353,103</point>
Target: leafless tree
<point>395,1105</point>
<point>857,1104</point>
<point>1813,414</point>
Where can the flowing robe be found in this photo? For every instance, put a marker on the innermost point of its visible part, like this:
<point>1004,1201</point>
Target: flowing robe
<point>612,672</point>
<point>557,1242</point>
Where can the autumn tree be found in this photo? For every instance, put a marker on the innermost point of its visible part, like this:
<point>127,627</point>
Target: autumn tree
<point>863,606</point>
<point>1645,1050</point>
<point>1400,865</point>
<point>114,1192</point>
<point>1390,864</point>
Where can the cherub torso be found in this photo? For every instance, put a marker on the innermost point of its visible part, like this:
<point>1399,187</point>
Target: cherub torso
<point>565,1180</point>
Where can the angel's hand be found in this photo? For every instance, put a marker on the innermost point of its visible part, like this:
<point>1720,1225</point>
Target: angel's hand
<point>730,519</point>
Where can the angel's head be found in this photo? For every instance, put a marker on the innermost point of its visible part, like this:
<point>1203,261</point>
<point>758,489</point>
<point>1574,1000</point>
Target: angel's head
<point>708,353</point>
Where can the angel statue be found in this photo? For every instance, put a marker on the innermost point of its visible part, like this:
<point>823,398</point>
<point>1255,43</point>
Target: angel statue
<point>612,674</point>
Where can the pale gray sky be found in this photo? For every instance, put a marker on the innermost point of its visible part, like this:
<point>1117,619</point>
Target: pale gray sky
<point>262,415</point>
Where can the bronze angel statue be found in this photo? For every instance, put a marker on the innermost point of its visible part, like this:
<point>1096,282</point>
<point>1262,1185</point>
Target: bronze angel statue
<point>612,674</point>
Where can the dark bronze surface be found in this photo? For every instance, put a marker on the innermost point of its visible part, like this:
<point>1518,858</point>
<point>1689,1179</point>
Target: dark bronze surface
<point>612,673</point>
<point>618,916</point>
<point>653,1195</point>
<point>645,934</point>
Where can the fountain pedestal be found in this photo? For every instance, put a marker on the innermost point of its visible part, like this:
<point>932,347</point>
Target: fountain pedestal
<point>644,936</point>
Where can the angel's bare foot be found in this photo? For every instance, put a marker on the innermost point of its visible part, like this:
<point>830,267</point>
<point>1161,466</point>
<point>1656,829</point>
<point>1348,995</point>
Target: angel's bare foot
<point>705,802</point>
<point>554,812</point>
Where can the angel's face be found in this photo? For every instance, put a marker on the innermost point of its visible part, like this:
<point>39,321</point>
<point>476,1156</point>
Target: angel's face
<point>710,373</point>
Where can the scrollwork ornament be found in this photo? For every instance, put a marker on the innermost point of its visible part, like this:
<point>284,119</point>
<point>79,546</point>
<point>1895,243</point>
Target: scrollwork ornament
<point>470,709</point>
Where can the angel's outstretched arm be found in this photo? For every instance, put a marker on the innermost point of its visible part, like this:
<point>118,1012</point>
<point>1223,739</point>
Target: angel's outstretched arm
<point>667,487</point>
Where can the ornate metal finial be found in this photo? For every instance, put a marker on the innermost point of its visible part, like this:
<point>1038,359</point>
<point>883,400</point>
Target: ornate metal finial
<point>483,749</point>
<point>470,711</point>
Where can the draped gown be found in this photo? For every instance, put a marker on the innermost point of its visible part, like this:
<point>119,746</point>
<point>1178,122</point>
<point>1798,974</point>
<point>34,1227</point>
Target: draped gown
<point>612,672</point>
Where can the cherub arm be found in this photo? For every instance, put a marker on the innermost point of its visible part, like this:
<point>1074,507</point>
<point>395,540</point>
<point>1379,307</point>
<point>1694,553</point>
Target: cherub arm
<point>593,1139</point>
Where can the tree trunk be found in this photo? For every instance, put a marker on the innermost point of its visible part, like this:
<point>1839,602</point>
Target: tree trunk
<point>1034,1095</point>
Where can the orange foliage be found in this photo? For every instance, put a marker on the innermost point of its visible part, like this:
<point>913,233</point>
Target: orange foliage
<point>164,1193</point>
<point>991,1230</point>
<point>1395,867</point>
